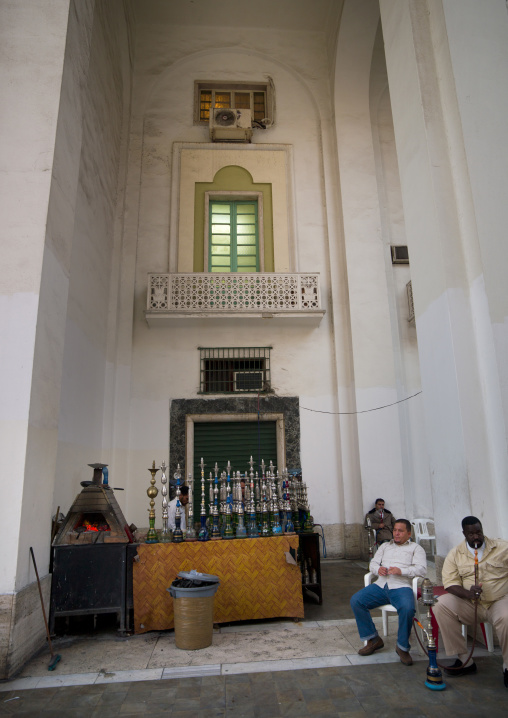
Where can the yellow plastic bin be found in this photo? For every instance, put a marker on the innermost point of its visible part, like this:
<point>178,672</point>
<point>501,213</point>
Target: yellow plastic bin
<point>193,607</point>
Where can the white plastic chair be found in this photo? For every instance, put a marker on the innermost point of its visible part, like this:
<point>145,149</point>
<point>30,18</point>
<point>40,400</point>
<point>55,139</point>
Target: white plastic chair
<point>387,607</point>
<point>421,531</point>
<point>488,633</point>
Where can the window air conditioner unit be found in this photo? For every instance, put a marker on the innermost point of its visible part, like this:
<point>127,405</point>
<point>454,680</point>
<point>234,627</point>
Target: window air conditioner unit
<point>248,380</point>
<point>228,125</point>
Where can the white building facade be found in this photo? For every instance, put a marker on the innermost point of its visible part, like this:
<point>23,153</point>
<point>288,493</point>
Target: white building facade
<point>384,126</point>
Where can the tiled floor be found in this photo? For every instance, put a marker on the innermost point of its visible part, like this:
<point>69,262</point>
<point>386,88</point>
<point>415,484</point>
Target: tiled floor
<point>268,669</point>
<point>384,690</point>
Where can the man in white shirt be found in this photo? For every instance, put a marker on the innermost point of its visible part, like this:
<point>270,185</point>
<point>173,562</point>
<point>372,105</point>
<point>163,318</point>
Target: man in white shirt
<point>396,563</point>
<point>184,500</point>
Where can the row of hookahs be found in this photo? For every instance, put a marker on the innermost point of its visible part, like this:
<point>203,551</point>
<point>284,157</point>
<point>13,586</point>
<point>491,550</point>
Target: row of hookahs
<point>248,506</point>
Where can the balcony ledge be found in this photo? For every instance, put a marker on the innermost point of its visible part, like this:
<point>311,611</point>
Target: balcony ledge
<point>164,318</point>
<point>174,298</point>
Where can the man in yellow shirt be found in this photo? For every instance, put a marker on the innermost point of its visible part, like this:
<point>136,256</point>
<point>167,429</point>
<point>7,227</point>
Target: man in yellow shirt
<point>457,606</point>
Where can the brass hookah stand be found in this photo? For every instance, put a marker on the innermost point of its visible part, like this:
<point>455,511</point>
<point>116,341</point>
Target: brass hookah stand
<point>152,491</point>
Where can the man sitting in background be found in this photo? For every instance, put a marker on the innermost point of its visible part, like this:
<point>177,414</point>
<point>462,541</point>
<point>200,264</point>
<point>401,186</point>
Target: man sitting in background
<point>381,520</point>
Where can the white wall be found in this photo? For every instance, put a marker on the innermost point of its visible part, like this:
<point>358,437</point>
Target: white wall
<point>166,361</point>
<point>91,332</point>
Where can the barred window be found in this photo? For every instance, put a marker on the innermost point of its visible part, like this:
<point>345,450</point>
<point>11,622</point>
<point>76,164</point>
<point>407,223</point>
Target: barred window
<point>234,370</point>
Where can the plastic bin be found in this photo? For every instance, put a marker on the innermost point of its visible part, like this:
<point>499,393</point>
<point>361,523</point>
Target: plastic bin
<point>193,608</point>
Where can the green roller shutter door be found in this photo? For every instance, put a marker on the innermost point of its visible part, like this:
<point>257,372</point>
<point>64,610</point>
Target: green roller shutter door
<point>231,441</point>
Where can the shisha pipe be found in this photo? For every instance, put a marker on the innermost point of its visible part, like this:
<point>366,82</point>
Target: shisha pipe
<point>434,676</point>
<point>426,600</point>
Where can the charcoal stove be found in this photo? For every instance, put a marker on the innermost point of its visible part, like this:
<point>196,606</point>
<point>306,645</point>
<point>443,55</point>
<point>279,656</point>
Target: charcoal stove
<point>92,557</point>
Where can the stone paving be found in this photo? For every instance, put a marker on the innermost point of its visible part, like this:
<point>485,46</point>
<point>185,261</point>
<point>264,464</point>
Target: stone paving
<point>276,668</point>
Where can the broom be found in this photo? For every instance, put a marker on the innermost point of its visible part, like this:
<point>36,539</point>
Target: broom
<point>55,657</point>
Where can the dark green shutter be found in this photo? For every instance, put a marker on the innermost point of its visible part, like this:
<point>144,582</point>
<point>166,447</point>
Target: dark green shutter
<point>232,441</point>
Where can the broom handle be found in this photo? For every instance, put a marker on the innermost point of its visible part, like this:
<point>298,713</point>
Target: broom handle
<point>42,602</point>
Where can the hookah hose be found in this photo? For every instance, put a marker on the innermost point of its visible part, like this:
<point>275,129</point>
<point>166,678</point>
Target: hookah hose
<point>451,668</point>
<point>458,668</point>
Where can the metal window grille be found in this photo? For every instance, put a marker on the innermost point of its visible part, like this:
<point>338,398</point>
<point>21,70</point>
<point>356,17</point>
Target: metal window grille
<point>234,370</point>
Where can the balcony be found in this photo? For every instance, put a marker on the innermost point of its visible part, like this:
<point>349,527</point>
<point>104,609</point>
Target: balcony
<point>173,297</point>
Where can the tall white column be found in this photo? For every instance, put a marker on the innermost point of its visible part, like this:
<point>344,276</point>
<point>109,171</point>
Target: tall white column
<point>372,355</point>
<point>41,140</point>
<point>434,136</point>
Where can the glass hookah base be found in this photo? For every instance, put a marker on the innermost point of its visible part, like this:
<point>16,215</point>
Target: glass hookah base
<point>435,686</point>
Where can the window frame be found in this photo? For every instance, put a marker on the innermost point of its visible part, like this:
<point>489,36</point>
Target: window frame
<point>226,196</point>
<point>228,356</point>
<point>232,87</point>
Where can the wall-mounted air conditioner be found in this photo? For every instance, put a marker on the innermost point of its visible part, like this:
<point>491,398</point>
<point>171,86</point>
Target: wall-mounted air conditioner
<point>228,125</point>
<point>248,380</point>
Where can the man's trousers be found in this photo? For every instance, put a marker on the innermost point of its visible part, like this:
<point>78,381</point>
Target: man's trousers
<point>451,612</point>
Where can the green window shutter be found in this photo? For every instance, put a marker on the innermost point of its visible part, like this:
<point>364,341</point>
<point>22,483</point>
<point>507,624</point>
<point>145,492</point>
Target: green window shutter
<point>234,237</point>
<point>230,441</point>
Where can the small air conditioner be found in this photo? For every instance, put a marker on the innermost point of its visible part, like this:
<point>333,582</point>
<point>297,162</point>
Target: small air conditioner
<point>228,125</point>
<point>248,380</point>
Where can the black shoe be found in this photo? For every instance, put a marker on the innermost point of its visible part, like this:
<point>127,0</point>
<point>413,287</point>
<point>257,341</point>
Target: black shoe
<point>458,670</point>
<point>505,677</point>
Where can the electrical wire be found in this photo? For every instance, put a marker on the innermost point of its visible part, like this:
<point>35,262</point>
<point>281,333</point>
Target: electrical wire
<point>322,535</point>
<point>364,411</point>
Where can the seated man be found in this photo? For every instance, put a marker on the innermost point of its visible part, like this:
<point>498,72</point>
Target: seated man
<point>458,604</point>
<point>381,520</point>
<point>396,563</point>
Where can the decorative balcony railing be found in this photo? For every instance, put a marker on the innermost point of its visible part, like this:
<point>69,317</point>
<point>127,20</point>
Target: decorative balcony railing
<point>177,296</point>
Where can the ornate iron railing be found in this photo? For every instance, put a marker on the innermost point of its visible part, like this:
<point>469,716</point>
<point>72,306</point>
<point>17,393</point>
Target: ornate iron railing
<point>239,292</point>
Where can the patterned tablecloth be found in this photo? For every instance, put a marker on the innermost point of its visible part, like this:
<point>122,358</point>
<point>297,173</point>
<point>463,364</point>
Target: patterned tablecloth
<point>256,581</point>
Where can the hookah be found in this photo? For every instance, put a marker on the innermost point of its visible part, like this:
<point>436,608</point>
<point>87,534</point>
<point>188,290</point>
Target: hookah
<point>252,527</point>
<point>216,534</point>
<point>289,527</point>
<point>223,497</point>
<point>229,498</point>
<point>210,492</point>
<point>241,531</point>
<point>434,677</point>
<point>178,533</point>
<point>228,527</point>
<point>257,503</point>
<point>203,534</point>
<point>308,525</point>
<point>236,502</point>
<point>294,506</point>
<point>265,525</point>
<point>274,505</point>
<point>152,491</point>
<point>165,534</point>
<point>191,531</point>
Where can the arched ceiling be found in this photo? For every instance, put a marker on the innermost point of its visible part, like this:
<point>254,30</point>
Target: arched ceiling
<point>302,15</point>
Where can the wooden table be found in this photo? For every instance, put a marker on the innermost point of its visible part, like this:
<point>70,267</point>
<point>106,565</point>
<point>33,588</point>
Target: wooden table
<point>256,581</point>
